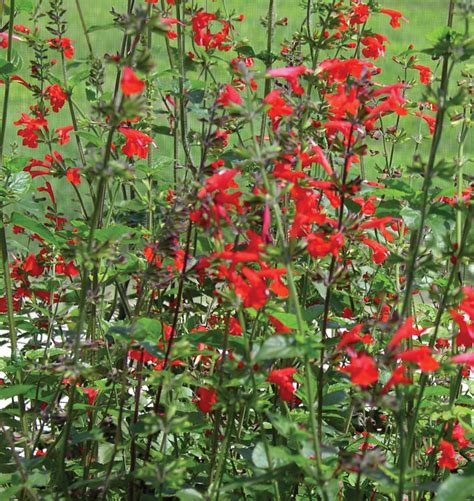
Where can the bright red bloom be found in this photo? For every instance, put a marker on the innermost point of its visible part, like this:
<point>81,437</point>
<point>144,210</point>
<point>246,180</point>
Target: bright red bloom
<point>204,37</point>
<point>320,245</point>
<point>448,455</point>
<point>63,134</point>
<point>62,44</point>
<point>373,46</point>
<point>459,436</point>
<point>31,132</point>
<point>337,70</point>
<point>395,16</point>
<point>68,269</point>
<point>291,74</point>
<point>379,251</point>
<point>354,336</point>
<point>425,73</point>
<point>431,121</point>
<point>91,395</point>
<point>229,95</point>
<point>137,143</point>
<point>398,377</point>
<point>130,83</point>
<point>362,370</point>
<point>57,97</point>
<point>280,327</point>
<point>206,399</point>
<point>405,331</point>
<point>422,357</point>
<point>73,176</point>
<point>359,14</point>
<point>31,266</point>
<point>278,108</point>
<point>465,336</point>
<point>283,378</point>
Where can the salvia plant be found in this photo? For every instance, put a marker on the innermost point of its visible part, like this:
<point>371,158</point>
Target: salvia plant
<point>233,271</point>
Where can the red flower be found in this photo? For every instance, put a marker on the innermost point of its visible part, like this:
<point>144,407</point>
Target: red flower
<point>291,74</point>
<point>91,395</point>
<point>283,378</point>
<point>395,16</point>
<point>57,97</point>
<point>130,83</point>
<point>31,132</point>
<point>31,266</point>
<point>337,70</point>
<point>448,455</point>
<point>425,73</point>
<point>431,121</point>
<point>73,176</point>
<point>204,37</point>
<point>362,370</point>
<point>465,336</point>
<point>278,108</point>
<point>405,331</point>
<point>459,436</point>
<point>62,44</point>
<point>373,46</point>
<point>397,377</point>
<point>63,134</point>
<point>68,269</point>
<point>359,14</point>
<point>137,143</point>
<point>379,251</point>
<point>280,328</point>
<point>206,399</point>
<point>229,95</point>
<point>320,245</point>
<point>422,357</point>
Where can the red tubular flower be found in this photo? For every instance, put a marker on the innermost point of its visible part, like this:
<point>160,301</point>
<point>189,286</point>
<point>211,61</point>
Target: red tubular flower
<point>362,370</point>
<point>291,74</point>
<point>206,399</point>
<point>204,37</point>
<point>31,266</point>
<point>425,73</point>
<point>359,14</point>
<point>431,121</point>
<point>280,327</point>
<point>229,95</point>
<point>320,245</point>
<point>448,455</point>
<point>47,188</point>
<point>373,46</point>
<point>465,336</point>
<point>57,97</point>
<point>337,70</point>
<point>130,83</point>
<point>422,357</point>
<point>354,336</point>
<point>63,134</point>
<point>33,126</point>
<point>278,108</point>
<point>73,176</point>
<point>405,331</point>
<point>64,45</point>
<point>395,17</point>
<point>91,395</point>
<point>137,143</point>
<point>398,377</point>
<point>379,251</point>
<point>459,436</point>
<point>283,378</point>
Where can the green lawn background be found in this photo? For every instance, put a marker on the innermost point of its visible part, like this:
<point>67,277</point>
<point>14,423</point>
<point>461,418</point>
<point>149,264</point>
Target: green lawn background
<point>424,16</point>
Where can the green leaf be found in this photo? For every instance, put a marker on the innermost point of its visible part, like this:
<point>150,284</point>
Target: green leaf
<point>188,495</point>
<point>31,225</point>
<point>456,487</point>
<point>278,347</point>
<point>147,329</point>
<point>411,217</point>
<point>15,390</point>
